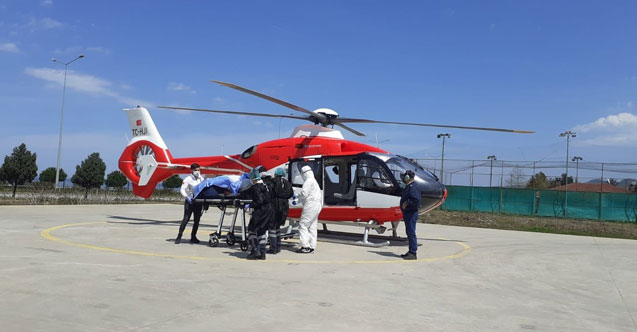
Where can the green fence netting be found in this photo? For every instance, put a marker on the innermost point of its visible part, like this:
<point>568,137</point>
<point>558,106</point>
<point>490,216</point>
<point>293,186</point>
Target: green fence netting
<point>545,203</point>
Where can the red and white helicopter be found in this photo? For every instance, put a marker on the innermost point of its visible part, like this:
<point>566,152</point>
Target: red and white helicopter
<point>361,184</point>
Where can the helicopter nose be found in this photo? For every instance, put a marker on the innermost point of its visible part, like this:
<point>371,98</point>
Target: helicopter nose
<point>433,194</point>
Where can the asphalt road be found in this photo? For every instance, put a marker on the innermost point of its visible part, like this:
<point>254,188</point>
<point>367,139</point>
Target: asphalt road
<point>115,268</point>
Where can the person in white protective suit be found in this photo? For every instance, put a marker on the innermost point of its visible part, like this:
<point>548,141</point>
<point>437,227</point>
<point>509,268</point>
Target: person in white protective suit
<point>310,197</point>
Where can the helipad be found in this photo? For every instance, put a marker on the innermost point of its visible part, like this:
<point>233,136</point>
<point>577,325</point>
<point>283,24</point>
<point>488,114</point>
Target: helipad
<point>115,268</point>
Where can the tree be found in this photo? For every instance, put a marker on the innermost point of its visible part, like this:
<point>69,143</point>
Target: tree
<point>19,168</point>
<point>537,181</point>
<point>172,182</point>
<point>516,178</point>
<point>560,181</point>
<point>48,175</point>
<point>90,174</point>
<point>563,179</point>
<point>116,179</point>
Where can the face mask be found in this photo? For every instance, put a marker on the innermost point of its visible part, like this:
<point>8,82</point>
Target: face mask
<point>196,173</point>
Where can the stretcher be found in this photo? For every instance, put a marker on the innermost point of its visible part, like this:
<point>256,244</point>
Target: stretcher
<point>224,192</point>
<point>226,205</point>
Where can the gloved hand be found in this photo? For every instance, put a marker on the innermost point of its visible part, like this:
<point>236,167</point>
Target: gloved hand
<point>247,206</point>
<point>189,200</point>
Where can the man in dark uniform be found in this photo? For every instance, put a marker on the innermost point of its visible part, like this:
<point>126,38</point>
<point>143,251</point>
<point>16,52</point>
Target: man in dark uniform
<point>262,214</point>
<point>282,190</point>
<point>409,203</point>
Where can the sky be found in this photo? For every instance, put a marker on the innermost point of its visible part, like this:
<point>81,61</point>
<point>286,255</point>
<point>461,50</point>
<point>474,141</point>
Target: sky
<point>546,66</point>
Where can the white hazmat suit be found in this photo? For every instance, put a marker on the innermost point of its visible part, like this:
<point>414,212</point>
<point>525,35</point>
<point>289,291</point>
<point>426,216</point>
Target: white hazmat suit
<point>310,197</point>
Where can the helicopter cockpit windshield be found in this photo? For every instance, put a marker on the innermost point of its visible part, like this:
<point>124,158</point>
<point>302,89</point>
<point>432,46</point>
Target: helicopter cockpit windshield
<point>399,165</point>
<point>431,189</point>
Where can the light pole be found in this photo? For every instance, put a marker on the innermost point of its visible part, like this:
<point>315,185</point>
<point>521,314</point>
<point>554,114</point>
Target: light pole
<point>442,160</point>
<point>378,142</point>
<point>576,159</point>
<point>492,158</point>
<point>57,167</point>
<point>568,135</point>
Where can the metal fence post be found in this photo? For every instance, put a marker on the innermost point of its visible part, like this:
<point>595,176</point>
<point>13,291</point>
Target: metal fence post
<point>501,180</point>
<point>601,192</point>
<point>472,168</point>
<point>472,191</point>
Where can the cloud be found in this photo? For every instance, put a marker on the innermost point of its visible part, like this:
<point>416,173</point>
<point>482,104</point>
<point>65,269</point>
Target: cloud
<point>44,24</point>
<point>180,87</point>
<point>98,49</point>
<point>613,130</point>
<point>80,49</point>
<point>69,50</point>
<point>83,83</point>
<point>9,47</point>
<point>46,3</point>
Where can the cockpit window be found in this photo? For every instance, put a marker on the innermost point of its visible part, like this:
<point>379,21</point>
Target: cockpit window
<point>249,152</point>
<point>372,176</point>
<point>399,165</point>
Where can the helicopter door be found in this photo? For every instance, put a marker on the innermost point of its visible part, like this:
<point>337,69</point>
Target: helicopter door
<point>339,181</point>
<point>294,172</point>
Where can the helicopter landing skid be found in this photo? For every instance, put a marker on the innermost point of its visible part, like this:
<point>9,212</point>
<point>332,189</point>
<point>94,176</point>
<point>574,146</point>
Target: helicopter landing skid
<point>372,224</point>
<point>357,243</point>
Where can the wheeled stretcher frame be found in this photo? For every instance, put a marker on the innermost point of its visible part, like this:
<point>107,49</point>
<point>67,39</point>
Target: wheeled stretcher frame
<point>223,204</point>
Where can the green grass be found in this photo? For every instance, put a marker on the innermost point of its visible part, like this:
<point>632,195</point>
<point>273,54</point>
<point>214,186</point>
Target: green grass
<point>622,230</point>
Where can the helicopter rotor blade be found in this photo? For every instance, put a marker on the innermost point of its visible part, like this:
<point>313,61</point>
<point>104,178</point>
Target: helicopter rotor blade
<point>320,117</point>
<point>235,112</point>
<point>353,120</point>
<point>349,129</point>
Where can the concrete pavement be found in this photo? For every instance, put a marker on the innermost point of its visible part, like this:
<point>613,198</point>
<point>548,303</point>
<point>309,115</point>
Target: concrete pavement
<point>115,268</point>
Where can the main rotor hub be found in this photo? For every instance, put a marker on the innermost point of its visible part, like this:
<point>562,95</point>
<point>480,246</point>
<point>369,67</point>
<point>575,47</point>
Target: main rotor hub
<point>329,114</point>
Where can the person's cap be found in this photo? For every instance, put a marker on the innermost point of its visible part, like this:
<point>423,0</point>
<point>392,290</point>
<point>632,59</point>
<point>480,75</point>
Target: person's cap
<point>306,169</point>
<point>279,172</point>
<point>255,174</point>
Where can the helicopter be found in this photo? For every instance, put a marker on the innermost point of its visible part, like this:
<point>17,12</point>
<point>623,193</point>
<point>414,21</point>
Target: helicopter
<point>361,184</point>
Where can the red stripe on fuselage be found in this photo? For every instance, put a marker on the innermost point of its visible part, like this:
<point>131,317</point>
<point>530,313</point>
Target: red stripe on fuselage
<point>353,213</point>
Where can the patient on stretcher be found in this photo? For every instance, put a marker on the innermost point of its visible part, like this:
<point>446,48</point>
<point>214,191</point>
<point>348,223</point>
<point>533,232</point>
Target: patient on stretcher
<point>222,186</point>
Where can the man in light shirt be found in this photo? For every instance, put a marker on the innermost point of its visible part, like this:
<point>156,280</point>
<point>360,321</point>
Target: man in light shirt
<point>190,206</point>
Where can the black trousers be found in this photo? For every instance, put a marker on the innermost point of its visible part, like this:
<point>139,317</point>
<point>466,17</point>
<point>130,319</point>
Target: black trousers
<point>189,209</point>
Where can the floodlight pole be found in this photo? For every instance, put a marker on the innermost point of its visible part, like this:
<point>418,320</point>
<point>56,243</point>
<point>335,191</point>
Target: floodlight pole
<point>442,160</point>
<point>492,158</point>
<point>568,135</point>
<point>57,167</point>
<point>576,159</point>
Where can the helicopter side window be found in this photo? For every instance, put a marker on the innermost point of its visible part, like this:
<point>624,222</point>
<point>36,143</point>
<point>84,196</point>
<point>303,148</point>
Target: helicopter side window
<point>297,179</point>
<point>295,172</point>
<point>397,170</point>
<point>331,173</point>
<point>373,177</point>
<point>352,173</point>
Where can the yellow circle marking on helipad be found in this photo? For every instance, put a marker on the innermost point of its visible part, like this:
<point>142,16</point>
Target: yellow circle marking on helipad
<point>47,235</point>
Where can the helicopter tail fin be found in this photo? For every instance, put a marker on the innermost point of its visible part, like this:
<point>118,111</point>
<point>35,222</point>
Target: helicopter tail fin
<point>146,159</point>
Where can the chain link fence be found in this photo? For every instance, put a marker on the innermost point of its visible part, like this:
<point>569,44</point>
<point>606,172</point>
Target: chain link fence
<point>599,191</point>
